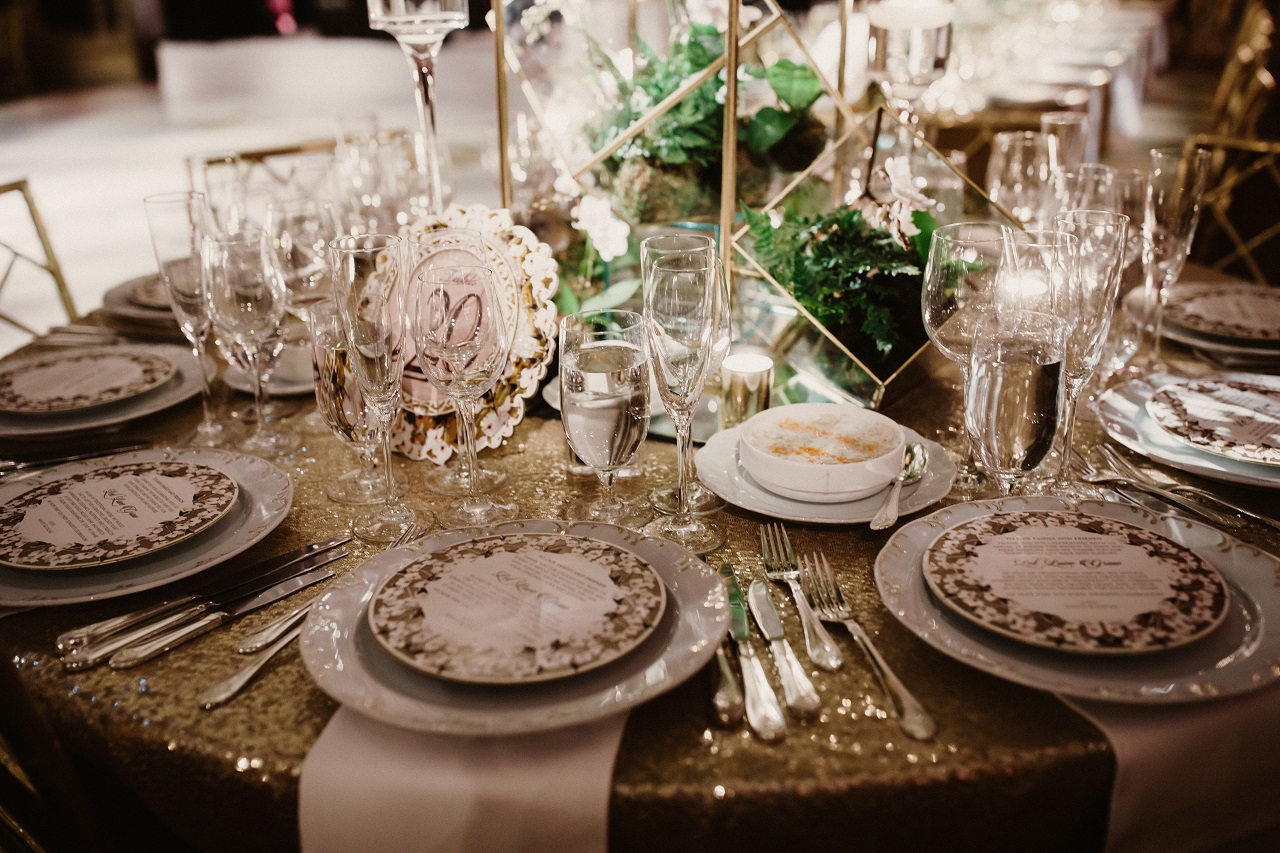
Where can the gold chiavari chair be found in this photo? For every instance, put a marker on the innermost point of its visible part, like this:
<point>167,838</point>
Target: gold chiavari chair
<point>13,254</point>
<point>1246,84</point>
<point>1239,231</point>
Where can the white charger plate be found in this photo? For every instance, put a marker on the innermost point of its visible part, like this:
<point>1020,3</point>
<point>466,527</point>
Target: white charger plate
<point>1224,349</point>
<point>347,663</point>
<point>266,494</point>
<point>276,386</point>
<point>184,385</point>
<point>1239,656</point>
<point>720,470</point>
<point>1122,411</point>
<point>117,302</point>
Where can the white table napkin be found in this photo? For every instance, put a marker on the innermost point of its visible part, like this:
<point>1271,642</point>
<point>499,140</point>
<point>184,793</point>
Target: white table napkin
<point>369,786</point>
<point>1191,777</point>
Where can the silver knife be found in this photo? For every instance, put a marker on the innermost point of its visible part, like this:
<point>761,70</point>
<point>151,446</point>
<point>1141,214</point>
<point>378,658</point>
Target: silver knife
<point>802,700</point>
<point>99,631</point>
<point>92,654</point>
<point>170,640</point>
<point>764,715</point>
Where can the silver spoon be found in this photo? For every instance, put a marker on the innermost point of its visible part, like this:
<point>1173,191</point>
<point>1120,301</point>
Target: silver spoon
<point>914,461</point>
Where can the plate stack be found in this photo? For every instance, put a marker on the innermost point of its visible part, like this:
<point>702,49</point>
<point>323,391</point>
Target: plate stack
<point>140,307</point>
<point>1231,323</point>
<point>515,628</point>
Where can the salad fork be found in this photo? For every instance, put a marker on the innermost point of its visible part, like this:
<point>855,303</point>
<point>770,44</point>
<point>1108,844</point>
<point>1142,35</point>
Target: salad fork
<point>1125,473</point>
<point>830,604</point>
<point>780,565</point>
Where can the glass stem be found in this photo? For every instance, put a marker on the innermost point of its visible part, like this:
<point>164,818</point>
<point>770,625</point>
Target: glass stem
<point>467,433</point>
<point>684,429</point>
<point>385,423</point>
<point>1074,387</point>
<point>259,389</point>
<point>422,59</point>
<point>206,388</point>
<point>609,503</point>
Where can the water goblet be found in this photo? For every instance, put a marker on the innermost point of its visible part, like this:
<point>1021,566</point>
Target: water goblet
<point>604,403</point>
<point>1091,186</point>
<point>702,500</point>
<point>430,249</point>
<point>340,403</point>
<point>1175,189</point>
<point>961,280</point>
<point>1014,396</point>
<point>463,341</point>
<point>246,301</point>
<point>368,284</point>
<point>420,27</point>
<point>683,310</point>
<point>1018,172</point>
<point>177,222</point>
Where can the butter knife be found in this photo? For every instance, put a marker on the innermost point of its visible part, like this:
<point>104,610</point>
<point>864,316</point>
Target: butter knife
<point>764,715</point>
<point>99,631</point>
<point>801,698</point>
<point>147,649</point>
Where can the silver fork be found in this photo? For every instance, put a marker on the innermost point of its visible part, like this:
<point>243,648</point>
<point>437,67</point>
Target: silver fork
<point>829,603</point>
<point>1188,497</point>
<point>780,565</point>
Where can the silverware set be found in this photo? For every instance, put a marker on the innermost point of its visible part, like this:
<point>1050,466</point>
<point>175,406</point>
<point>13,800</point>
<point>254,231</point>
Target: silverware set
<point>818,599</point>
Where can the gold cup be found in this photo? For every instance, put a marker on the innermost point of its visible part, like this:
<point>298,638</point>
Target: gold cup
<point>745,381</point>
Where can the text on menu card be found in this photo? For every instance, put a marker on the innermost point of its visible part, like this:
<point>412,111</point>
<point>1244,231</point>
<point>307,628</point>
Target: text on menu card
<point>84,513</point>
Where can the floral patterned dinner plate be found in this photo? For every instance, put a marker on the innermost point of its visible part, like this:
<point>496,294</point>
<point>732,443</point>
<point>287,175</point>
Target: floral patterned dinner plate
<point>1247,313</point>
<point>518,608</point>
<point>81,379</point>
<point>112,514</point>
<point>1241,655</point>
<point>1075,582</point>
<point>1234,418</point>
<point>426,427</point>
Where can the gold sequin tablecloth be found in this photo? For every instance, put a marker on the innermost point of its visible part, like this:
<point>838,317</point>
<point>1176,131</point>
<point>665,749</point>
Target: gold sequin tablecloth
<point>1008,765</point>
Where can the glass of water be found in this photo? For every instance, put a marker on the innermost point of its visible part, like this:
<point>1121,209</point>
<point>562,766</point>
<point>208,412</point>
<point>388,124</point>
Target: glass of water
<point>604,403</point>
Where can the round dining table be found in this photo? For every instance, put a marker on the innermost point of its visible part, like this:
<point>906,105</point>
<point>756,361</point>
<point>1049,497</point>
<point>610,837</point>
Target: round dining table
<point>1010,767</point>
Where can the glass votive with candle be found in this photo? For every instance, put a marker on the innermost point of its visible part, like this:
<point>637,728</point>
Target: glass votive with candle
<point>746,378</point>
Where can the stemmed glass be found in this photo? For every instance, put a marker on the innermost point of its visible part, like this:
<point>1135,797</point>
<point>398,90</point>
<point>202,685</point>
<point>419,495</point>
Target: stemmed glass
<point>177,222</point>
<point>428,250</point>
<point>246,301</point>
<point>420,27</point>
<point>1014,395</point>
<point>1018,172</point>
<point>1101,237</point>
<point>343,408</point>
<point>463,342</point>
<point>604,402</point>
<point>1091,186</point>
<point>1128,322</point>
<point>368,283</point>
<point>961,281</point>
<point>683,310</point>
<point>666,499</point>
<point>1174,192</point>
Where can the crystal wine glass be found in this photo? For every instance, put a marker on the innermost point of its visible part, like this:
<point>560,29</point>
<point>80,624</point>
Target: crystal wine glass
<point>604,403</point>
<point>1014,395</point>
<point>1128,321</point>
<point>463,341</point>
<point>420,27</point>
<point>702,500</point>
<point>368,284</point>
<point>177,223</point>
<point>683,309</point>
<point>1091,186</point>
<point>961,280</point>
<point>1174,192</point>
<point>340,403</point>
<point>1018,172</point>
<point>246,301</point>
<point>428,250</point>
<point>1101,237</point>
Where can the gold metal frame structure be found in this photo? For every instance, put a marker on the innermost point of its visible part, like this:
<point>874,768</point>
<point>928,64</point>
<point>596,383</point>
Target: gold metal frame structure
<point>1239,166</point>
<point>49,264</point>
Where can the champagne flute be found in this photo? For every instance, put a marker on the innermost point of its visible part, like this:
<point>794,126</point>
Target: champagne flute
<point>604,403</point>
<point>683,304</point>
<point>463,341</point>
<point>1102,238</point>
<point>702,500</point>
<point>428,250</point>
<point>1015,391</point>
<point>420,27</point>
<point>1128,322</point>
<point>961,280</point>
<point>340,403</point>
<point>177,222</point>
<point>368,283</point>
<point>1174,192</point>
<point>246,301</point>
